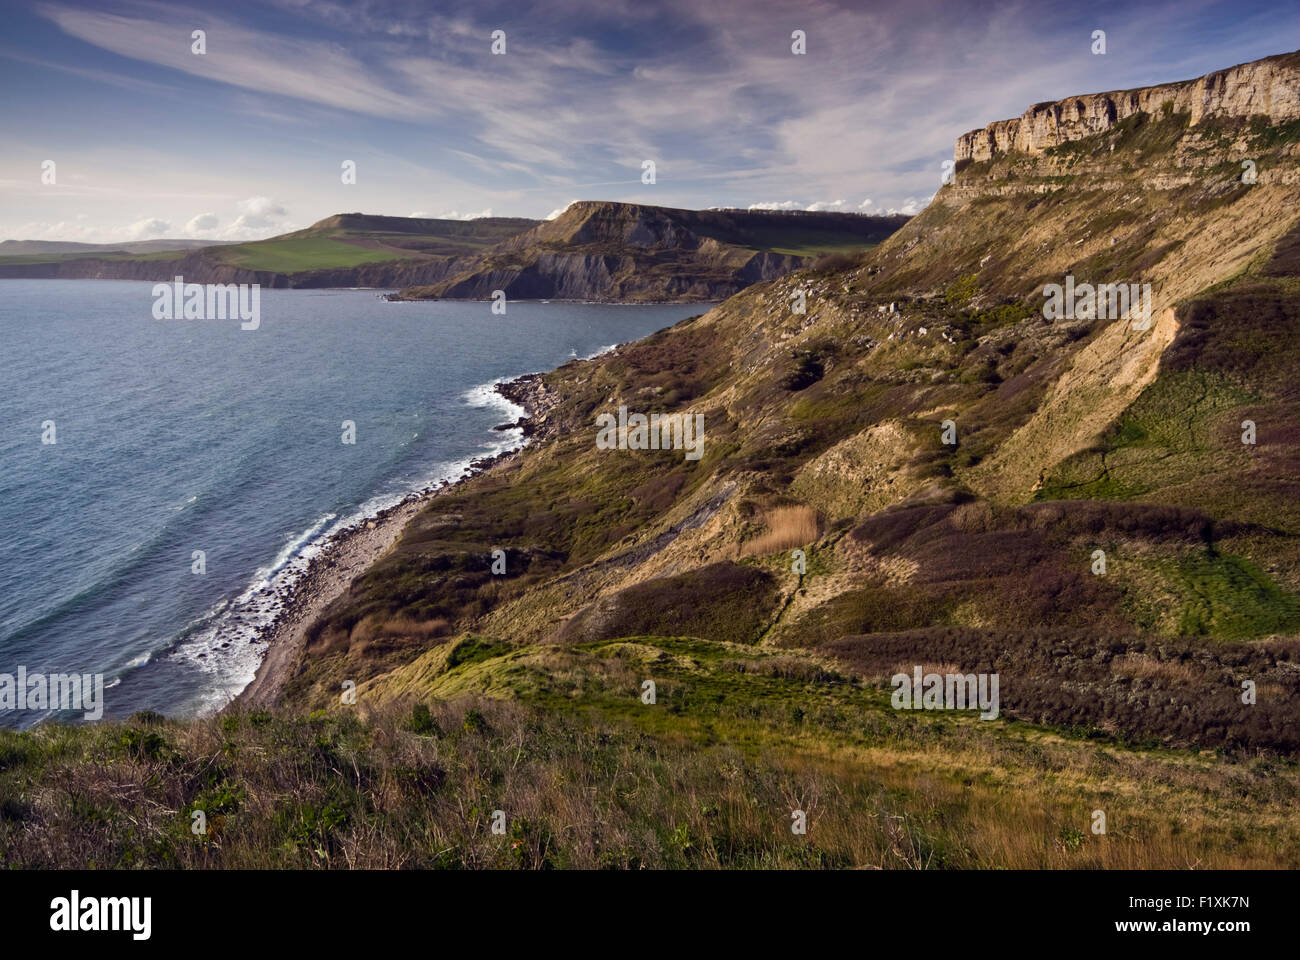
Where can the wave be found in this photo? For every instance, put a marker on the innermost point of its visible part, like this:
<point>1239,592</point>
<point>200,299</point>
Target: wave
<point>487,396</point>
<point>227,641</point>
<point>120,570</point>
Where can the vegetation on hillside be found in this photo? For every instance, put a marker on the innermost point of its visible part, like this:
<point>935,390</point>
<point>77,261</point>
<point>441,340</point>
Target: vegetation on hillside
<point>586,775</point>
<point>917,470</point>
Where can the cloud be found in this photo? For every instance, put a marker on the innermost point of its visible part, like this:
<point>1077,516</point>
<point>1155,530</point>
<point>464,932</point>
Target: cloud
<point>99,77</point>
<point>309,70</point>
<point>559,210</point>
<point>202,223</point>
<point>590,88</point>
<point>81,231</point>
<point>912,205</point>
<point>262,209</point>
<point>150,227</point>
<point>455,215</point>
<point>818,205</point>
<point>66,230</point>
<point>259,218</point>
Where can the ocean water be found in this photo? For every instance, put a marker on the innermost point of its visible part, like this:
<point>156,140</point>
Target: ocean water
<point>176,436</point>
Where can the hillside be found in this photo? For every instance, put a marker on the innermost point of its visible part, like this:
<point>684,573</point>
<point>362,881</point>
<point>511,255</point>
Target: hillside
<point>598,250</point>
<point>351,239</point>
<point>1121,688</point>
<point>52,248</point>
<point>594,251</point>
<point>1070,434</point>
<point>345,250</point>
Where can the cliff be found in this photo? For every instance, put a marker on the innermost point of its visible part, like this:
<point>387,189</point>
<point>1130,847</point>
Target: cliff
<point>594,251</point>
<point>825,433</point>
<point>1268,88</point>
<point>598,250</point>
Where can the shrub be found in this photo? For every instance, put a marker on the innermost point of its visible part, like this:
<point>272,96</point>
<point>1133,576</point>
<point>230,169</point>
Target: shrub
<point>836,262</point>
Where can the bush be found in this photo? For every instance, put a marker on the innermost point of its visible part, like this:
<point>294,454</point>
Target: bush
<point>836,262</point>
<point>422,723</point>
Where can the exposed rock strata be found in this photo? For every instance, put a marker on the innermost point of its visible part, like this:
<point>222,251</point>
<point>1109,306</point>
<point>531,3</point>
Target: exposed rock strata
<point>1269,87</point>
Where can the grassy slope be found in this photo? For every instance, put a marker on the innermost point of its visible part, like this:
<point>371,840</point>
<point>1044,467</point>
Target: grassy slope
<point>843,415</point>
<point>307,253</point>
<point>109,255</point>
<point>343,240</point>
<point>348,240</point>
<point>589,776</point>
<point>802,236</point>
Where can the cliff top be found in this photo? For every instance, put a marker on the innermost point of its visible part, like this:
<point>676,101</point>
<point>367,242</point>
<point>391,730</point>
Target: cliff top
<point>1268,87</point>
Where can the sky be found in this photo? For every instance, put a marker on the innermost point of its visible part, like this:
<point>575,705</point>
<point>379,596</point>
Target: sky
<point>249,138</point>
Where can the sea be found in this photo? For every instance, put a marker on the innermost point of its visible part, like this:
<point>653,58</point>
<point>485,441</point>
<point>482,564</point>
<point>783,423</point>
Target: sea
<point>157,475</point>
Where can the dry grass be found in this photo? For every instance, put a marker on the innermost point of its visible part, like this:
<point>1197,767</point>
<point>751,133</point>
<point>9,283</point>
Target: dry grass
<point>1146,667</point>
<point>415,787</point>
<point>943,669</point>
<point>787,528</point>
<point>373,626</point>
<point>419,629</point>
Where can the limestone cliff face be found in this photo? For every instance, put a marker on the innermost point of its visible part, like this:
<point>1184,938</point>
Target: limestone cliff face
<point>1269,87</point>
<point>612,277</point>
<point>607,251</point>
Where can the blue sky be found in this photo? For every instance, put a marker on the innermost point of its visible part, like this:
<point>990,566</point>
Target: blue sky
<point>247,140</point>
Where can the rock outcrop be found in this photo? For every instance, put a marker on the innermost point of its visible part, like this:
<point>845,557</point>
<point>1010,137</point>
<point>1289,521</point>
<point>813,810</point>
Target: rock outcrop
<point>595,250</point>
<point>598,250</point>
<point>1268,87</point>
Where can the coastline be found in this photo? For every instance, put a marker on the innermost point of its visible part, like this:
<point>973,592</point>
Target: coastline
<point>352,551</point>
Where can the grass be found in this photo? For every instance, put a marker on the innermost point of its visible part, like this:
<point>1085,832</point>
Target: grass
<point>1167,436</point>
<point>590,776</point>
<point>108,254</point>
<point>814,248</point>
<point>308,253</point>
<point>787,527</point>
<point>1225,596</point>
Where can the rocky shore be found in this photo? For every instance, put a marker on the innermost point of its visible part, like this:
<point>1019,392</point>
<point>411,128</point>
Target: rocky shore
<point>350,552</point>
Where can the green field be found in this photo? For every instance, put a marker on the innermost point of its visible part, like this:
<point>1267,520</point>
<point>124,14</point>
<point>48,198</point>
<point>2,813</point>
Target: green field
<point>308,253</point>
<point>815,249</point>
<point>82,255</point>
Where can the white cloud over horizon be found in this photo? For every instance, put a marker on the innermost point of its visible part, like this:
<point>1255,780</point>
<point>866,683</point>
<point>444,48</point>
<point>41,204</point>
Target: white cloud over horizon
<point>456,215</point>
<point>202,223</point>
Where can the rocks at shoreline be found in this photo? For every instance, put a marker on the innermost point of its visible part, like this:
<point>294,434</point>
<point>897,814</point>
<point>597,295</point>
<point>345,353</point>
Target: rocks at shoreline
<point>537,398</point>
<point>528,391</point>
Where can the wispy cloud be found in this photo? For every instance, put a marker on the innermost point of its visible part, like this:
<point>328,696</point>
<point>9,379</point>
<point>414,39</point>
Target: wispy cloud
<point>587,91</point>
